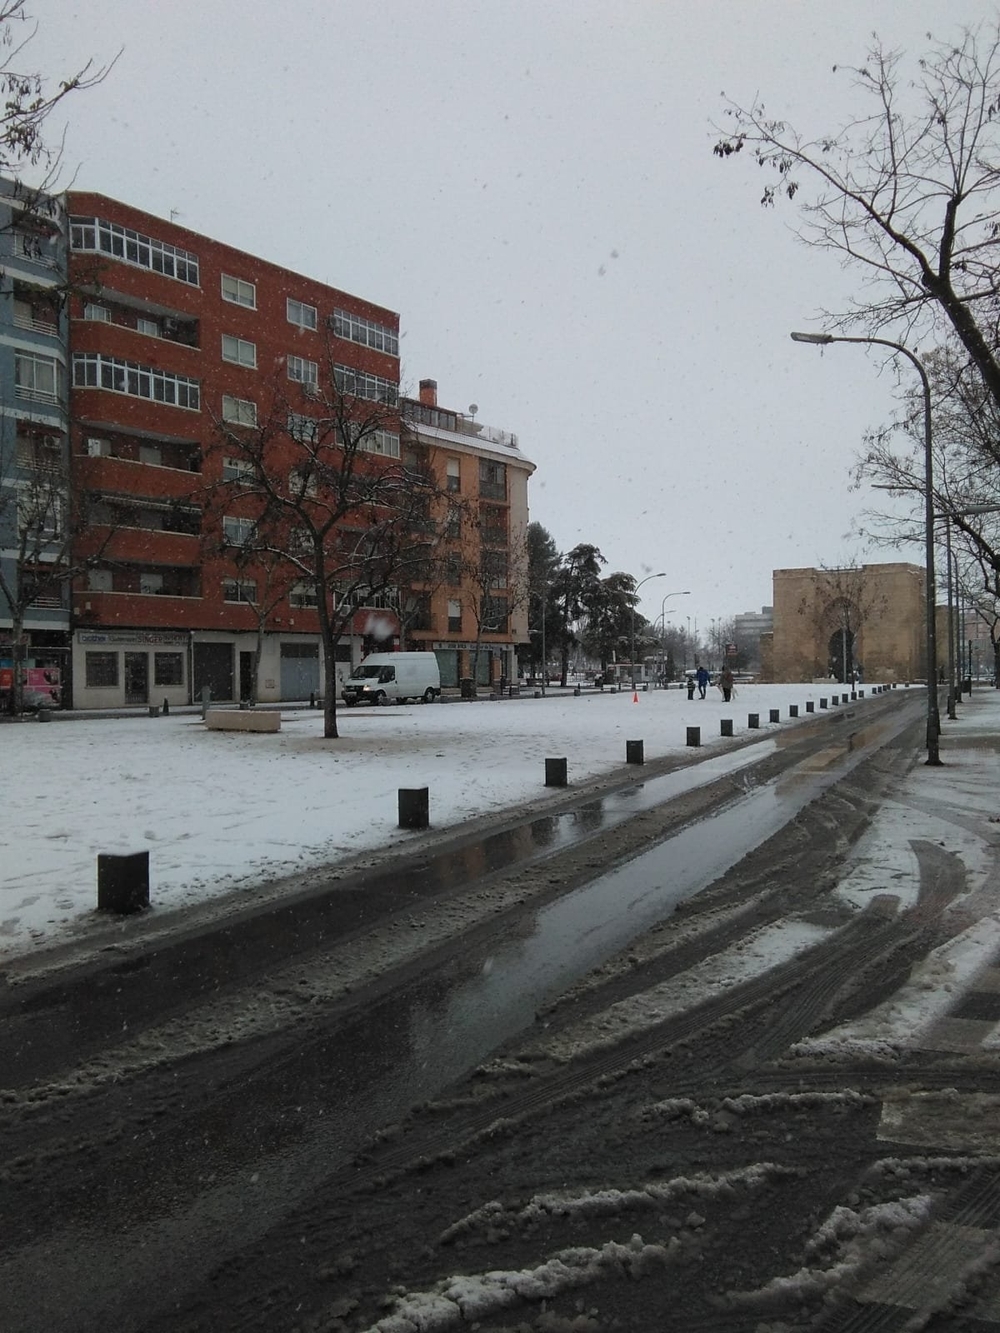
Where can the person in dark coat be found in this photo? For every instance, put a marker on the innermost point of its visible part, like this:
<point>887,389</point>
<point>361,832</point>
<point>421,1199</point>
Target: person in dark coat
<point>703,679</point>
<point>726,684</point>
<point>690,684</point>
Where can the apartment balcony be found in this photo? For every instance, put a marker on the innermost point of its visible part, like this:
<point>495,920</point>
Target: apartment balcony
<point>138,610</point>
<point>145,546</point>
<point>125,476</point>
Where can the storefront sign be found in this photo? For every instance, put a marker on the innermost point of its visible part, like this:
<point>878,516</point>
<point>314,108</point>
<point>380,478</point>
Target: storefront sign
<point>125,636</point>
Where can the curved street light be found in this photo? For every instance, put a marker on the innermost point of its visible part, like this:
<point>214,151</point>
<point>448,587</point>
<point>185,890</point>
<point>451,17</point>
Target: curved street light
<point>933,716</point>
<point>662,575</point>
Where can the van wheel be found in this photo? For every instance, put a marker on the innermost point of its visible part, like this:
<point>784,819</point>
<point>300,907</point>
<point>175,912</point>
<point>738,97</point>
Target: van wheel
<point>380,697</point>
<point>428,695</point>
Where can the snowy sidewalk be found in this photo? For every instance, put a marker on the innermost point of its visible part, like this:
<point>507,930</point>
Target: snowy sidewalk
<point>224,811</point>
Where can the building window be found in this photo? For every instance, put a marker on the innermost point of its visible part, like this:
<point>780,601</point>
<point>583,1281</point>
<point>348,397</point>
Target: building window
<point>36,377</point>
<point>302,482</point>
<point>453,523</point>
<point>238,292</point>
<point>151,454</point>
<point>238,531</point>
<point>492,479</point>
<point>454,479</point>
<point>150,584</point>
<point>239,411</point>
<point>101,313</point>
<point>91,370</point>
<point>360,384</point>
<point>40,511</point>
<point>110,238</point>
<point>102,670</point>
<point>301,314</point>
<point>303,595</point>
<point>168,668</point>
<point>452,571</point>
<point>239,351</point>
<point>304,430</point>
<point>302,371</point>
<point>364,331</point>
<point>384,442</point>
<point>149,327</point>
<point>454,617</point>
<point>237,469</point>
<point>239,590</point>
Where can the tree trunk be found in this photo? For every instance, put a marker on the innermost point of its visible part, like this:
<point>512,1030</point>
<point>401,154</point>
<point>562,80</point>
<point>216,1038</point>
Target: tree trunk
<point>329,672</point>
<point>258,652</point>
<point>17,661</point>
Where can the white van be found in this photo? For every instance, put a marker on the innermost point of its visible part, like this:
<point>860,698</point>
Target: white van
<point>400,676</point>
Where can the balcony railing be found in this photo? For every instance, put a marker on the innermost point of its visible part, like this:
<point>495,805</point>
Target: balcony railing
<point>36,395</point>
<point>36,325</point>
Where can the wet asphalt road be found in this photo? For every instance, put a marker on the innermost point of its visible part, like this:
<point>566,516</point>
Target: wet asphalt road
<point>127,1192</point>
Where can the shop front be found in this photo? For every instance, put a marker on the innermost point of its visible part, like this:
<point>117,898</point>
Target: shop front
<point>127,668</point>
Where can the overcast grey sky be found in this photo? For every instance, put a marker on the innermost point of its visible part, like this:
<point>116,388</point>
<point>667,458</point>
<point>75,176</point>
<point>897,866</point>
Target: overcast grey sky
<point>530,183</point>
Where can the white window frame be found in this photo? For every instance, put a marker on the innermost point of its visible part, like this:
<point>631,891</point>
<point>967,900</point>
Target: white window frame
<point>150,328</point>
<point>302,371</point>
<point>150,583</point>
<point>237,531</point>
<point>301,314</point>
<point>245,590</point>
<point>26,385</point>
<point>241,292</point>
<point>303,596</point>
<point>239,351</point>
<point>239,411</point>
<point>99,313</point>
<point>303,429</point>
<point>237,469</point>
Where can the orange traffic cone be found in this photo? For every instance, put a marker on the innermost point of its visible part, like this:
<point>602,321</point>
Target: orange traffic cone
<point>635,697</point>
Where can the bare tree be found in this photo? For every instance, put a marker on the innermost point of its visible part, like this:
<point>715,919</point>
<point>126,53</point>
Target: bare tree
<point>906,192</point>
<point>493,567</point>
<point>319,485</point>
<point>42,524</point>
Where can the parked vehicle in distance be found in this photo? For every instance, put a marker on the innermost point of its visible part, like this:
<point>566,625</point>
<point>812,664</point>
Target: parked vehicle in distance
<point>399,676</point>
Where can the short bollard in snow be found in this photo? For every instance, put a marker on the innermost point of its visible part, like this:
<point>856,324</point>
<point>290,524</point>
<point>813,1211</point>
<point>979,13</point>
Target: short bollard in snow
<point>414,807</point>
<point>774,715</point>
<point>694,736</point>
<point>810,707</point>
<point>122,882</point>
<point>793,710</point>
<point>822,702</point>
<point>726,727</point>
<point>555,772</point>
<point>634,752</point>
<point>753,721</point>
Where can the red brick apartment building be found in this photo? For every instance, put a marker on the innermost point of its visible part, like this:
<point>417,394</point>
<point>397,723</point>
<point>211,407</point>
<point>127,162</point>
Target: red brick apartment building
<point>169,333</point>
<point>170,330</point>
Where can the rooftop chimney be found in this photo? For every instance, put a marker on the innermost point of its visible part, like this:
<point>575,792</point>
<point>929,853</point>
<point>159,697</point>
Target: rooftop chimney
<point>429,393</point>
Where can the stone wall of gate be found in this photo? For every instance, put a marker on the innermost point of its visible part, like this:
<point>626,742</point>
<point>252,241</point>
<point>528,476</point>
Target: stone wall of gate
<point>882,604</point>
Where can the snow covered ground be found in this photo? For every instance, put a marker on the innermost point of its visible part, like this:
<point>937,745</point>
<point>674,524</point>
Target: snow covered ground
<point>223,811</point>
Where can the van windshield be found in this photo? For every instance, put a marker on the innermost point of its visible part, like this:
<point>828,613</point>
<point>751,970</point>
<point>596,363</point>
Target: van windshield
<point>366,672</point>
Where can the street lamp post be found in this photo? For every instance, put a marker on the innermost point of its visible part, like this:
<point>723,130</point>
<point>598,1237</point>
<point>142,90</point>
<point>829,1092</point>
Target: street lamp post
<point>635,590</point>
<point>933,716</point>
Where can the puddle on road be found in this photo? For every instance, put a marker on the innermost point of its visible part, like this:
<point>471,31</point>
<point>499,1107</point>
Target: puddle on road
<point>423,1039</point>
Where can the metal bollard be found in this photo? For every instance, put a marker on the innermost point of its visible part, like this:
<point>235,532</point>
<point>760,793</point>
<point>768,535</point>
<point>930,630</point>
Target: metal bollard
<point>774,715</point>
<point>206,699</point>
<point>166,708</point>
<point>810,707</point>
<point>154,710</point>
<point>122,882</point>
<point>726,727</point>
<point>694,736</point>
<point>753,721</point>
<point>555,772</point>
<point>634,752</point>
<point>793,710</point>
<point>414,807</point>
<point>576,691</point>
<point>822,702</point>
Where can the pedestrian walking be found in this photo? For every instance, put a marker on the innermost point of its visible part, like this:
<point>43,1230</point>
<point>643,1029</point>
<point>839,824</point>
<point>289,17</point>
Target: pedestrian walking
<point>690,685</point>
<point>726,684</point>
<point>703,680</point>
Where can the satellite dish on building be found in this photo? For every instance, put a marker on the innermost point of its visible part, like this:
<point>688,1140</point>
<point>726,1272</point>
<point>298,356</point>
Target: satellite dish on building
<point>473,409</point>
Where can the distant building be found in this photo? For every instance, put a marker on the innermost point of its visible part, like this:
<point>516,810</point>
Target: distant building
<point>483,592</point>
<point>828,622</point>
<point>748,628</point>
<point>34,438</point>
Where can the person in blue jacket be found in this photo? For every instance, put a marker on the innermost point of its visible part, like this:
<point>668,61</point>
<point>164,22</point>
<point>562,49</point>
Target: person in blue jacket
<point>703,680</point>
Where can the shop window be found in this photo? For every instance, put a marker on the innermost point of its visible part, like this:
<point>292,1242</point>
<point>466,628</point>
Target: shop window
<point>168,668</point>
<point>102,670</point>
